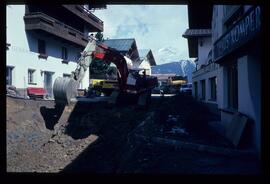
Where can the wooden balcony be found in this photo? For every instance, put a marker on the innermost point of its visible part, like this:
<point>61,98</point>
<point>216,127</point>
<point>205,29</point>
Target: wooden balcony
<point>94,22</point>
<point>41,22</point>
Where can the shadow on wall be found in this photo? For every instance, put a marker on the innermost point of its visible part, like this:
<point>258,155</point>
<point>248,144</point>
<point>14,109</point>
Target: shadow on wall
<point>32,41</point>
<point>52,48</point>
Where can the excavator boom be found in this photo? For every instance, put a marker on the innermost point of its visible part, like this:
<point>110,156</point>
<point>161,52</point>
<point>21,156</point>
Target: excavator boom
<point>65,89</point>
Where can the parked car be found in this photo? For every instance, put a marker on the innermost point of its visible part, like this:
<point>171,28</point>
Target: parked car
<point>186,88</point>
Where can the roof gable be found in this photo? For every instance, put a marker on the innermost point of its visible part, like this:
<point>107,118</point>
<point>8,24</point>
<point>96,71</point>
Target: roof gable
<point>143,53</point>
<point>120,44</point>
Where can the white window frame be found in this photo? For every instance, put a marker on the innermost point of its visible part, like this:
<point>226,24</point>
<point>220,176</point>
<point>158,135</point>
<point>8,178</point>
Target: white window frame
<point>31,76</point>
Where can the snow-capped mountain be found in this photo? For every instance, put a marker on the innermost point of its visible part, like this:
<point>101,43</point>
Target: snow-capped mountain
<point>182,67</point>
<point>167,54</point>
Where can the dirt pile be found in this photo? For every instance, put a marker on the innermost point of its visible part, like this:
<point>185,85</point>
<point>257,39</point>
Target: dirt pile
<point>43,138</point>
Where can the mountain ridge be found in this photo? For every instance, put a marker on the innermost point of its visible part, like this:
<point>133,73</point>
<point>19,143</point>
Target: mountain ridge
<point>181,67</point>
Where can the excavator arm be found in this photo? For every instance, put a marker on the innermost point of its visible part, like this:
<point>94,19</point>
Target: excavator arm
<point>129,81</point>
<point>118,59</point>
<point>66,88</point>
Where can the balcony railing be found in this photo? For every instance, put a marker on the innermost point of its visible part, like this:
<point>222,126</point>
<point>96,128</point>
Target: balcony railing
<point>91,15</point>
<point>208,68</point>
<point>95,23</point>
<point>41,21</point>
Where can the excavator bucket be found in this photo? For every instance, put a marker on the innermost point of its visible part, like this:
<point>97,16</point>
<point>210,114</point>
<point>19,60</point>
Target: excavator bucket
<point>64,89</point>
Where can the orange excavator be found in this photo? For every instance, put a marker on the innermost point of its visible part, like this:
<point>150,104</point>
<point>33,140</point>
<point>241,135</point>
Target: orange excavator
<point>129,81</point>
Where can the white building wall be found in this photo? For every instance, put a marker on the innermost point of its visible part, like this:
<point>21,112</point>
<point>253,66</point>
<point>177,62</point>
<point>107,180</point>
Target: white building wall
<point>146,65</point>
<point>249,92</point>
<point>221,89</point>
<point>217,22</point>
<point>23,55</point>
<point>249,83</point>
<point>203,50</point>
<point>206,77</point>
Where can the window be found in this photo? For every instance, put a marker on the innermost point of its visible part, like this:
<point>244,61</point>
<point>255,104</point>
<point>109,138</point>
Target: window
<point>213,88</point>
<point>209,57</point>
<point>31,76</point>
<point>7,46</point>
<point>64,53</point>
<point>66,75</point>
<point>9,75</point>
<point>196,89</point>
<point>203,89</point>
<point>232,86</point>
<point>41,47</point>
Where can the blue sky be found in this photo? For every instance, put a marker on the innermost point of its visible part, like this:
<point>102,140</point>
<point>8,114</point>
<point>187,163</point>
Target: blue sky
<point>155,27</point>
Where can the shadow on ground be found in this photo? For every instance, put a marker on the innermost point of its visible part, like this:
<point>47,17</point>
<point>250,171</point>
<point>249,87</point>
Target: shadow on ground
<point>51,115</point>
<point>111,124</point>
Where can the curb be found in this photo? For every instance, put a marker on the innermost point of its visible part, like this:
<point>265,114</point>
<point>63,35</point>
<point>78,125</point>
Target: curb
<point>196,147</point>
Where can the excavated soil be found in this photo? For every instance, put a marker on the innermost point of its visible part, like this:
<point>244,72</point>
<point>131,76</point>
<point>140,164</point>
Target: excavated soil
<point>41,138</point>
<point>99,138</point>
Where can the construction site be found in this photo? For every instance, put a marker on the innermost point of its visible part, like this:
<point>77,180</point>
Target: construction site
<point>170,136</point>
<point>107,112</point>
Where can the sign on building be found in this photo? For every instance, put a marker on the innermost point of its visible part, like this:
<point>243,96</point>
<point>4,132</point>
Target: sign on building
<point>244,30</point>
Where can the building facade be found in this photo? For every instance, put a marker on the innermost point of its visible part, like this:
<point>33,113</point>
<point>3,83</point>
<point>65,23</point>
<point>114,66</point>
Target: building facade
<point>44,42</point>
<point>136,58</point>
<point>234,59</point>
<point>146,60</point>
<point>237,51</point>
<point>205,77</point>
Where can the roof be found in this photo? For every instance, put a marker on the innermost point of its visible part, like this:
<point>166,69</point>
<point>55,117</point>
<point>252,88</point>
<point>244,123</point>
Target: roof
<point>197,33</point>
<point>192,35</point>
<point>200,15</point>
<point>120,44</point>
<point>143,53</point>
<point>199,21</point>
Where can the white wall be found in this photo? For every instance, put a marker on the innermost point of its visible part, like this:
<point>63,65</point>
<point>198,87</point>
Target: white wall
<point>203,50</point>
<point>23,55</point>
<point>217,22</point>
<point>146,65</point>
<point>206,77</point>
<point>222,87</point>
<point>249,81</point>
<point>249,92</point>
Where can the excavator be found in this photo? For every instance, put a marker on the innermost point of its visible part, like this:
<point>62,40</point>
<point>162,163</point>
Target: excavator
<point>129,81</point>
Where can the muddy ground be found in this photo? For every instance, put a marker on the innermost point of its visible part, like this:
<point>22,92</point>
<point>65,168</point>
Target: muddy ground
<point>100,138</point>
